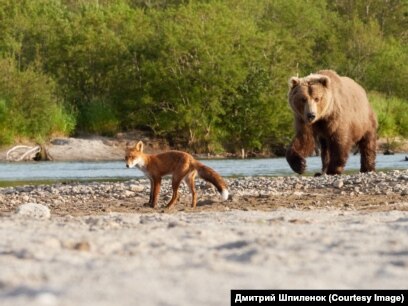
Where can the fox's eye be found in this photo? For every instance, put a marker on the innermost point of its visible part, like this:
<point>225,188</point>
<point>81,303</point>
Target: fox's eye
<point>304,100</point>
<point>316,100</point>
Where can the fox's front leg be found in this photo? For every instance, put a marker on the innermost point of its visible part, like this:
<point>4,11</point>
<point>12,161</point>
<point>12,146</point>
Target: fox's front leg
<point>154,191</point>
<point>151,193</point>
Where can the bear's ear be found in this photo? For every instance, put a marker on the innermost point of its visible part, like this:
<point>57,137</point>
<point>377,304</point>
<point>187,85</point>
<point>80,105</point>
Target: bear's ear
<point>324,80</point>
<point>293,82</point>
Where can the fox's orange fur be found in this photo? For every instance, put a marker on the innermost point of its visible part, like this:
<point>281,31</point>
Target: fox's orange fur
<point>179,164</point>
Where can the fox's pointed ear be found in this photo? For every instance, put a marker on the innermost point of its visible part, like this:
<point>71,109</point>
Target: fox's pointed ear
<point>293,82</point>
<point>139,146</point>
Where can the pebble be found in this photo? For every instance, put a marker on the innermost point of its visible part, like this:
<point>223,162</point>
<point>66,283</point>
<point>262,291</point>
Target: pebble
<point>338,183</point>
<point>82,246</point>
<point>136,188</point>
<point>128,193</point>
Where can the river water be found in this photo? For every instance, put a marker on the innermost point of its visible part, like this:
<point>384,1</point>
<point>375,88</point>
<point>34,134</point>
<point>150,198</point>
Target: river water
<point>33,171</point>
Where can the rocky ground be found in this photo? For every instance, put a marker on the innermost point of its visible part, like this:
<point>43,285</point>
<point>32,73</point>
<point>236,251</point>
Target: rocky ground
<point>96,243</point>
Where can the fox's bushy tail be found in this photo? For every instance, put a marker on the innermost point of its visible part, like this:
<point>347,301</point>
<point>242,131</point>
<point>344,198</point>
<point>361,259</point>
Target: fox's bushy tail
<point>208,174</point>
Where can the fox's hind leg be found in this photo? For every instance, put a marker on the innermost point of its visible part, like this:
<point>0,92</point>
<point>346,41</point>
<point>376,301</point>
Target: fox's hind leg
<point>189,179</point>
<point>151,193</point>
<point>175,185</point>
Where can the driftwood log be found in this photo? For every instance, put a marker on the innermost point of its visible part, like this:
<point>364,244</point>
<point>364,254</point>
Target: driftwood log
<point>21,152</point>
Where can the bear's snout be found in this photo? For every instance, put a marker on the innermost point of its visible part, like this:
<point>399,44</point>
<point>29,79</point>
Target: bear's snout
<point>311,116</point>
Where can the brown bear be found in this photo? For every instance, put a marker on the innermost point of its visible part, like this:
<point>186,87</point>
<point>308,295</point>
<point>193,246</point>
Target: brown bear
<point>334,111</point>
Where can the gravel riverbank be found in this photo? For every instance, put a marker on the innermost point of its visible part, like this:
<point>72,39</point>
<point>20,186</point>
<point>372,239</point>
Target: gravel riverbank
<point>99,245</point>
<point>382,190</point>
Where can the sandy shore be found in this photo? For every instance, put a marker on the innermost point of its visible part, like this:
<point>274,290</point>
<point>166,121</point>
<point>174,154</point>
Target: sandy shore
<point>102,246</point>
<point>196,258</point>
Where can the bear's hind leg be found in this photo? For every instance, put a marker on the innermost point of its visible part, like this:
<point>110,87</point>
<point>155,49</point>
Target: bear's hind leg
<point>368,146</point>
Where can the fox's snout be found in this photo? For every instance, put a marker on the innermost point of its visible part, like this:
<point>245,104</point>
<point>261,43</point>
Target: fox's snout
<point>134,162</point>
<point>129,164</point>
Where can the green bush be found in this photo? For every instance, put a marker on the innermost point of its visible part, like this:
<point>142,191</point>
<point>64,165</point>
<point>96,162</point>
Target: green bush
<point>98,117</point>
<point>29,107</point>
<point>392,115</point>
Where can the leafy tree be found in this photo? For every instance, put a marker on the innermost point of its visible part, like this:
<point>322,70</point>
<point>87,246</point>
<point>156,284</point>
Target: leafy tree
<point>388,72</point>
<point>208,74</point>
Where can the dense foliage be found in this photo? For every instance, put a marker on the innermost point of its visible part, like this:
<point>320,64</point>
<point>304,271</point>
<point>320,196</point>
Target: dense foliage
<point>210,74</point>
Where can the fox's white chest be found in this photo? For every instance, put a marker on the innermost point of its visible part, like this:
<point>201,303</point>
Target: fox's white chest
<point>142,167</point>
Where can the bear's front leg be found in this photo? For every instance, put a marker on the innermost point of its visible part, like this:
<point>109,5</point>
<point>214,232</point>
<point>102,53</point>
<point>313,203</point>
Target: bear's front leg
<point>295,160</point>
<point>302,146</point>
<point>338,157</point>
<point>325,156</point>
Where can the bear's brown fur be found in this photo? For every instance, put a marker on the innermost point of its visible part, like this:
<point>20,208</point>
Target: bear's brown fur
<point>334,111</point>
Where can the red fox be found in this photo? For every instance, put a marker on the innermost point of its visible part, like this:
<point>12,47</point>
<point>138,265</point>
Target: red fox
<point>180,165</point>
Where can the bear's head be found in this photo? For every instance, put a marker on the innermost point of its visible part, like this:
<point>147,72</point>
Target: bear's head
<point>310,97</point>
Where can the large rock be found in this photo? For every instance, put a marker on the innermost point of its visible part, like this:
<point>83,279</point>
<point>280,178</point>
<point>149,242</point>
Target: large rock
<point>33,210</point>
